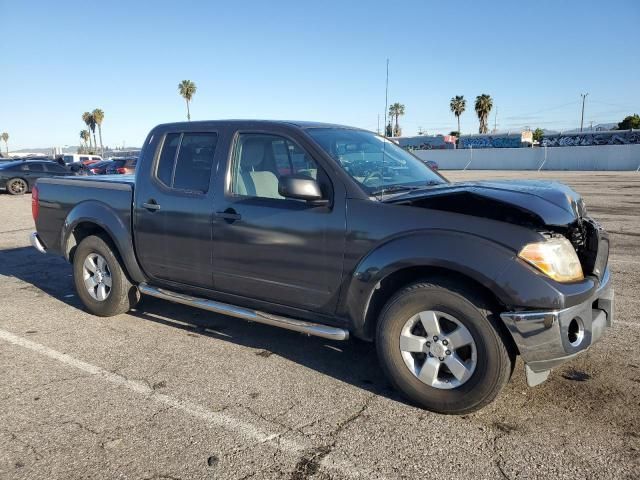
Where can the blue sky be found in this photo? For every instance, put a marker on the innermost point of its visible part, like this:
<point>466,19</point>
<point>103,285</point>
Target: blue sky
<point>320,60</point>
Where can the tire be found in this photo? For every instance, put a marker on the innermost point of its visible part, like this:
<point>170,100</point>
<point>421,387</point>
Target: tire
<point>17,186</point>
<point>443,392</point>
<point>119,294</point>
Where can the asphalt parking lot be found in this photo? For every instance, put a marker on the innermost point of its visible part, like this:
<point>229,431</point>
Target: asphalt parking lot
<point>170,392</point>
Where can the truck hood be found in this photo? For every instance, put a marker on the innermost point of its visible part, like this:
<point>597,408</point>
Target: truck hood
<point>531,202</point>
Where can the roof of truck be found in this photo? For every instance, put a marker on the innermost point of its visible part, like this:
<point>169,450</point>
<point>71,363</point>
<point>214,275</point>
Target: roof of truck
<point>295,123</point>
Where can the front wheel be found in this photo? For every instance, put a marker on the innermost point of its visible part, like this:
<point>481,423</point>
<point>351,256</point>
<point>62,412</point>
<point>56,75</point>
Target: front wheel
<point>17,186</point>
<point>100,279</point>
<point>443,348</point>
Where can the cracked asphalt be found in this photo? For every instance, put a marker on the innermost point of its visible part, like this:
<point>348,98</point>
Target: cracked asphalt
<point>171,392</point>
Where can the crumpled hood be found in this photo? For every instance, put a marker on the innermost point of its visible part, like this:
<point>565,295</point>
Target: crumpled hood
<point>553,203</point>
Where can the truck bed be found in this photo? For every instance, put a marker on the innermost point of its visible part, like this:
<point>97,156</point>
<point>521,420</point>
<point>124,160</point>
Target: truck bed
<point>87,197</point>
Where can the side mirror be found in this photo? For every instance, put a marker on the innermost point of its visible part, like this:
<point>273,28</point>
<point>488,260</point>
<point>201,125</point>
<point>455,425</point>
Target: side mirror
<point>300,188</point>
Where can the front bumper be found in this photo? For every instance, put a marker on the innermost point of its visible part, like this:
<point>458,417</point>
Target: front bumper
<point>546,339</point>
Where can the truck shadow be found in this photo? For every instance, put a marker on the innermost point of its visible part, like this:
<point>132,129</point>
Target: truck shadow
<point>352,362</point>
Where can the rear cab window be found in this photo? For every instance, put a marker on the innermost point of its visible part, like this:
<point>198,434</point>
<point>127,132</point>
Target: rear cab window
<point>186,161</point>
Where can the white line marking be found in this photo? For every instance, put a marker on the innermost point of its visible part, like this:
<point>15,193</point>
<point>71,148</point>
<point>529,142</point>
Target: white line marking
<point>244,429</point>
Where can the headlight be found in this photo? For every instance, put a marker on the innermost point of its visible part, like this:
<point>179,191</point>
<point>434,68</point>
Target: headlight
<point>555,257</point>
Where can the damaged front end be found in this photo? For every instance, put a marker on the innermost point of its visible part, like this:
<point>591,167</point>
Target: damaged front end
<point>545,338</point>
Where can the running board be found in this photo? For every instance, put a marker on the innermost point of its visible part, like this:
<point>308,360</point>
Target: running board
<point>315,329</point>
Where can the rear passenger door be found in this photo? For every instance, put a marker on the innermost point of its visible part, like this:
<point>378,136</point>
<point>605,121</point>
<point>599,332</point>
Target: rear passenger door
<point>173,208</point>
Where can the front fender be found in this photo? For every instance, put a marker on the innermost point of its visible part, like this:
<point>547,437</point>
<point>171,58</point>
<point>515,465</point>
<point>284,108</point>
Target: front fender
<point>117,225</point>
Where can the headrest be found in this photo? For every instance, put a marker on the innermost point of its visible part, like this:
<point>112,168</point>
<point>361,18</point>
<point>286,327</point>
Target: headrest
<point>252,153</point>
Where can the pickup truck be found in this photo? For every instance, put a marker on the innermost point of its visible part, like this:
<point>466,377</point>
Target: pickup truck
<point>335,232</point>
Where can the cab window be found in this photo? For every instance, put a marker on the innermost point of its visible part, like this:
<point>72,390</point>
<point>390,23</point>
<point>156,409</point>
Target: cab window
<point>259,160</point>
<point>186,161</point>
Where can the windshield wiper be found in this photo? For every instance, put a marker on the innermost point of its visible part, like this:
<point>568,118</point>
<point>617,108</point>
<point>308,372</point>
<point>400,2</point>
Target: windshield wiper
<point>402,188</point>
<point>394,189</point>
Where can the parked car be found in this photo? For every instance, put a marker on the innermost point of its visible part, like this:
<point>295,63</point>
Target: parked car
<point>18,177</point>
<point>99,168</point>
<point>122,166</point>
<point>431,164</point>
<point>85,159</point>
<point>359,237</point>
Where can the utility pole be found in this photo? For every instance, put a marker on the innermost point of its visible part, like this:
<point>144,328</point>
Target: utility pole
<point>584,97</point>
<point>386,100</point>
<point>495,121</point>
<point>378,129</point>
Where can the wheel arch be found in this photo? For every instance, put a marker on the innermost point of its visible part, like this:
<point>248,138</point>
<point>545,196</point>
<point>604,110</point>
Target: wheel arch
<point>473,261</point>
<point>97,218</point>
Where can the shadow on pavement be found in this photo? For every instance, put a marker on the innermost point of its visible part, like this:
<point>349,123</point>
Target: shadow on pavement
<point>352,362</point>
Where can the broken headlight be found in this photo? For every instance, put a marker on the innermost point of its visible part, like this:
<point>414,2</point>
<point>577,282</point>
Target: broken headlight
<point>555,257</point>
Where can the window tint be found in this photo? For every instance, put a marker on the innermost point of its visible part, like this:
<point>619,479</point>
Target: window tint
<point>56,168</point>
<point>260,160</point>
<point>84,159</point>
<point>36,167</point>
<point>191,169</point>
<point>195,159</point>
<point>68,158</point>
<point>164,171</point>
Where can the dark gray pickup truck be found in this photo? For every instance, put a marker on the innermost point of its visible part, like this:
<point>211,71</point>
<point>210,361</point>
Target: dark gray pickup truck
<point>334,231</point>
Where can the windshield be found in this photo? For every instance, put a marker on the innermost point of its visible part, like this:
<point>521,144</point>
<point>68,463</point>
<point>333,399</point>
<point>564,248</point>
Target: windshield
<point>377,164</point>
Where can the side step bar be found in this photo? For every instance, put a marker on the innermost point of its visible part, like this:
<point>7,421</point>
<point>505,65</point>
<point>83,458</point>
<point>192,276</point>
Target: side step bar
<point>315,329</point>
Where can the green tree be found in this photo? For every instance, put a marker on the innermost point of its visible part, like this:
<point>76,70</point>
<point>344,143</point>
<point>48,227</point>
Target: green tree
<point>85,137</point>
<point>458,105</point>
<point>629,122</point>
<point>5,139</point>
<point>187,90</point>
<point>88,119</point>
<point>395,111</point>
<point>484,104</point>
<point>98,116</point>
<point>538,133</point>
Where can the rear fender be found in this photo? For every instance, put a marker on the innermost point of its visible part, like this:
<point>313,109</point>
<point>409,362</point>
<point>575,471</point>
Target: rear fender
<point>106,218</point>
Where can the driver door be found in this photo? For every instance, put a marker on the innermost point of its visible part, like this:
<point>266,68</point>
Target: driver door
<point>272,248</point>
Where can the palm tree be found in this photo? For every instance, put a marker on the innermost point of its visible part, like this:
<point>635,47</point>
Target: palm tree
<point>458,106</point>
<point>98,116</point>
<point>87,118</point>
<point>396,110</point>
<point>484,104</point>
<point>84,135</point>
<point>5,139</point>
<point>187,90</point>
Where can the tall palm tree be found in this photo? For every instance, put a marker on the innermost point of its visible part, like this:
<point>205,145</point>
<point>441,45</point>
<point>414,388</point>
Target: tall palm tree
<point>458,106</point>
<point>87,118</point>
<point>484,104</point>
<point>98,116</point>
<point>5,139</point>
<point>396,110</point>
<point>187,90</point>
<point>84,136</point>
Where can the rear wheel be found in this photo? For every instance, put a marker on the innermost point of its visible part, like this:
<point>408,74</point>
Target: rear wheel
<point>442,347</point>
<point>17,186</point>
<point>100,280</point>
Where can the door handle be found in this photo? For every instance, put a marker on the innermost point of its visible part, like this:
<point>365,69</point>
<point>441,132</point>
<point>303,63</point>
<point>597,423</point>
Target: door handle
<point>151,205</point>
<point>229,215</point>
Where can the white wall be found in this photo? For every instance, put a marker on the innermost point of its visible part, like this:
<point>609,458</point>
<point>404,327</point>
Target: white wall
<point>600,157</point>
